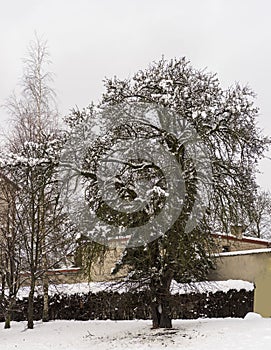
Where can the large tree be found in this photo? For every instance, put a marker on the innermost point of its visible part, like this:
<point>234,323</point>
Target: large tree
<point>209,132</point>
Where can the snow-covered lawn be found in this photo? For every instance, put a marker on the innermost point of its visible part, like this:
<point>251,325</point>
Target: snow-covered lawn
<point>250,333</point>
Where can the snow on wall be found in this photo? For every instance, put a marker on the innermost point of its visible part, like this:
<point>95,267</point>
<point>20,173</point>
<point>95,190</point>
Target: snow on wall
<point>210,287</point>
<point>245,252</point>
<point>176,288</point>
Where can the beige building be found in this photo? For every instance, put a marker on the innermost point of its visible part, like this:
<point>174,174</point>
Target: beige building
<point>231,242</point>
<point>101,270</point>
<point>224,243</point>
<point>248,259</point>
<point>249,265</point>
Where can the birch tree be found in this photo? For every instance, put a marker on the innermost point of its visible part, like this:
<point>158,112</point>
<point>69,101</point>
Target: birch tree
<point>31,160</point>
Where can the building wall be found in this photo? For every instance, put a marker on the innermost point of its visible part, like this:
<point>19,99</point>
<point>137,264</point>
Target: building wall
<point>253,267</point>
<point>102,271</point>
<point>237,244</point>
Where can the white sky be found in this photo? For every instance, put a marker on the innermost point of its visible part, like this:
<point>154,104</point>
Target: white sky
<point>91,39</point>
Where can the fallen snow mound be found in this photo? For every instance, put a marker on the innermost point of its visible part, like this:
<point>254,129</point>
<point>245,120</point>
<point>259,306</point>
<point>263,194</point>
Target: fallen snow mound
<point>252,316</point>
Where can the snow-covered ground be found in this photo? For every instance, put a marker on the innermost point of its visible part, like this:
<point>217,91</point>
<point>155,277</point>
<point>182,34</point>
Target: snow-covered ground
<point>253,333</point>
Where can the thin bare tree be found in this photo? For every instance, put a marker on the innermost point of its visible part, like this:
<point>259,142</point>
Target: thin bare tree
<point>31,161</point>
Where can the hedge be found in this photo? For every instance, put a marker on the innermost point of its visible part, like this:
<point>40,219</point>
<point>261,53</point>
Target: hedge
<point>128,306</point>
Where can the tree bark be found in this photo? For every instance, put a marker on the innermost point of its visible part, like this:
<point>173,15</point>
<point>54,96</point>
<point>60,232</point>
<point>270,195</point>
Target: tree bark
<point>160,306</point>
<point>165,319</point>
<point>45,311</point>
<point>30,310</point>
<point>161,314</point>
<point>10,306</point>
<point>3,284</point>
<point>7,320</point>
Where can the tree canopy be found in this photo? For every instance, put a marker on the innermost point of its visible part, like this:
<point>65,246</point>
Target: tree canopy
<point>196,122</point>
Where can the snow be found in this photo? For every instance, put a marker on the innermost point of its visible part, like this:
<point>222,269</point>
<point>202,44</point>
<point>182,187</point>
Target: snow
<point>176,288</point>
<point>256,239</point>
<point>244,237</point>
<point>211,287</point>
<point>252,316</point>
<point>245,252</point>
<point>202,334</point>
<point>69,289</point>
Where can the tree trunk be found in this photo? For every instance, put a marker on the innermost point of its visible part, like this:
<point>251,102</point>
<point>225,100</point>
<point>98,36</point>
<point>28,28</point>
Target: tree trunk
<point>160,306</point>
<point>8,314</point>
<point>45,311</point>
<point>165,319</point>
<point>30,310</point>
<point>7,320</point>
<point>161,314</point>
<point>155,315</point>
<point>3,284</point>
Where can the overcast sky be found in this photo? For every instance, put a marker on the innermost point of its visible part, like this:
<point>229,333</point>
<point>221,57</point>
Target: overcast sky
<point>91,39</point>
